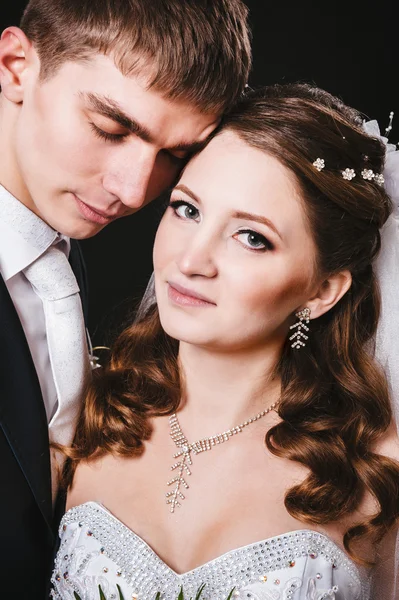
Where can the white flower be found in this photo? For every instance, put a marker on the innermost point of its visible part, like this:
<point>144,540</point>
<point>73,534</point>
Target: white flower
<point>368,174</point>
<point>319,164</point>
<point>348,174</point>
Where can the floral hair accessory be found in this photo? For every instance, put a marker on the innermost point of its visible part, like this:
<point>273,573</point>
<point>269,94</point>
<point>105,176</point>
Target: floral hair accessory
<point>348,174</point>
<point>319,164</point>
<point>372,129</point>
<point>389,128</point>
<point>379,179</point>
<point>368,174</point>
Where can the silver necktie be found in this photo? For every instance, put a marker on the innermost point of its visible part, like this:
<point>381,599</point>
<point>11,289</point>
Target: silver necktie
<point>53,280</point>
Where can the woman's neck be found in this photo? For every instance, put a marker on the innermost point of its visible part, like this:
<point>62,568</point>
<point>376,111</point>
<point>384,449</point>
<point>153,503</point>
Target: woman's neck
<point>223,390</point>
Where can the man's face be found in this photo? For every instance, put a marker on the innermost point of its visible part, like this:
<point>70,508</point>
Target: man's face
<point>92,145</point>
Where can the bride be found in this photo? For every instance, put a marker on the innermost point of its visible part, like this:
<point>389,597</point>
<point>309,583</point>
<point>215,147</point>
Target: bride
<point>241,436</point>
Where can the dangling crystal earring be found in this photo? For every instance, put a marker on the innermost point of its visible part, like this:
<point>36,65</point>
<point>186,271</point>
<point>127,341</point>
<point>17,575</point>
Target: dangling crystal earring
<point>298,336</point>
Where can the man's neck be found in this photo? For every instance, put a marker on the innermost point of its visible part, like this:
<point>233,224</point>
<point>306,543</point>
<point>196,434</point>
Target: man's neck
<point>10,174</point>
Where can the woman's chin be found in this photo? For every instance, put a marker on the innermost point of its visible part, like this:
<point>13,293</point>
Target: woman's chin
<point>189,337</point>
<point>189,333</point>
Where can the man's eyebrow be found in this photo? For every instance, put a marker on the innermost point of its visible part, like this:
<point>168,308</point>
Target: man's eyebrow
<point>239,214</point>
<point>190,147</point>
<point>109,108</point>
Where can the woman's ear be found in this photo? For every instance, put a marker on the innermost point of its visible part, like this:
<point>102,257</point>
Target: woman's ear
<point>15,48</point>
<point>329,293</point>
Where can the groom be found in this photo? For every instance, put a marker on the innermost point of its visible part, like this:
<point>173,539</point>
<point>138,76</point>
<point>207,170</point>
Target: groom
<point>101,105</point>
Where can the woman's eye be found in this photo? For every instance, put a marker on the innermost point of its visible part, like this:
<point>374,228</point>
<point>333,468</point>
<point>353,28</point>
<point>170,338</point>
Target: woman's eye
<point>185,210</point>
<point>253,240</point>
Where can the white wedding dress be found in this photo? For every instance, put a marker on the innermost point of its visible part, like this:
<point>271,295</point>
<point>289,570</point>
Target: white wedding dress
<point>99,550</point>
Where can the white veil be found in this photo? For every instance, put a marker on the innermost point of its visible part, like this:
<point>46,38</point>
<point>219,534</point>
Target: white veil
<point>387,269</point>
<point>386,584</point>
<point>148,300</point>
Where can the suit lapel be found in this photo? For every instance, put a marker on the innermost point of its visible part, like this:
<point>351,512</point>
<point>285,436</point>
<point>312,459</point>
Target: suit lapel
<point>22,413</point>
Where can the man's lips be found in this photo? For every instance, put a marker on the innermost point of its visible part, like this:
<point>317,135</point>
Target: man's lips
<point>183,295</point>
<point>94,214</point>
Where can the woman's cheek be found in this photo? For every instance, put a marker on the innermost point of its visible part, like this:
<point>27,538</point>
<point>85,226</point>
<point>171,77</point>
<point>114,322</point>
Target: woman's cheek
<point>266,293</point>
<point>158,254</point>
<point>167,242</point>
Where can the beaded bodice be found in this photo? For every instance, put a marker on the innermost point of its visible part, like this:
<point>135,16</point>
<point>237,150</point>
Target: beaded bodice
<point>99,550</point>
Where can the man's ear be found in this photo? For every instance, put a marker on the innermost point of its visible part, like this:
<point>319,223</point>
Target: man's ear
<point>15,50</point>
<point>329,293</point>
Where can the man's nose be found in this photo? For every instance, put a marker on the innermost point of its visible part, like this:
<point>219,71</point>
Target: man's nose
<point>128,178</point>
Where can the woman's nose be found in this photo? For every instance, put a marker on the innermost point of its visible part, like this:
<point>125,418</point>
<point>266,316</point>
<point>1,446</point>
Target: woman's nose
<point>198,257</point>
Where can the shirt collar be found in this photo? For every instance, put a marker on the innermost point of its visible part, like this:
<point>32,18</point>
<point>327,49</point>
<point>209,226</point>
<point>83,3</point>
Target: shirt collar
<point>23,235</point>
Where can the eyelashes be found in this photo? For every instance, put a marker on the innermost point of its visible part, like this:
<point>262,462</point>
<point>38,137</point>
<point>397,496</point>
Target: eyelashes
<point>115,138</point>
<point>249,238</point>
<point>255,241</point>
<point>104,135</point>
<point>190,209</point>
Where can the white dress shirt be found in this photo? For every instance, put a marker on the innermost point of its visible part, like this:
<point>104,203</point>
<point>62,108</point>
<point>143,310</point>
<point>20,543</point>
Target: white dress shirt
<point>23,238</point>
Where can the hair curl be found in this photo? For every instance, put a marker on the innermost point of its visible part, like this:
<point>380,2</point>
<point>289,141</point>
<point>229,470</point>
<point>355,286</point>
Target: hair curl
<point>335,404</point>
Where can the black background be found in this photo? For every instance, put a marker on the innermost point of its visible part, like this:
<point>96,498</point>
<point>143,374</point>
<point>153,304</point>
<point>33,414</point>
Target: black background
<point>348,48</point>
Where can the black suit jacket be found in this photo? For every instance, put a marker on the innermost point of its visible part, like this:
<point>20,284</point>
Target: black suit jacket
<point>27,524</point>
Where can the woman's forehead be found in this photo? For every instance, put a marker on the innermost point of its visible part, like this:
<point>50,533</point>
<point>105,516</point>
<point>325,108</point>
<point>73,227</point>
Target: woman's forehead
<point>231,172</point>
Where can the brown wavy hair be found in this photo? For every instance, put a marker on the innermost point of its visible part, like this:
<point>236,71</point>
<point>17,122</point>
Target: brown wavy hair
<point>335,405</point>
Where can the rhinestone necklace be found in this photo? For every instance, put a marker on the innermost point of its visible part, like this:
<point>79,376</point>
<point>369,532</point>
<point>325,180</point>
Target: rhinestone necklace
<point>183,466</point>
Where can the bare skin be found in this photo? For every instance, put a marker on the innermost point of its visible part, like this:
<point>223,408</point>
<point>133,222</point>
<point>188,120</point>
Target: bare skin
<point>228,349</point>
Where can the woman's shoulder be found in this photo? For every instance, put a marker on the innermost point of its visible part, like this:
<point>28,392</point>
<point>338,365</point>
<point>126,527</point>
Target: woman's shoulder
<point>90,480</point>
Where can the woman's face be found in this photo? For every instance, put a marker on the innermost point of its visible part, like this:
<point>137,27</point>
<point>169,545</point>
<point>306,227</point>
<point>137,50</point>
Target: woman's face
<point>233,256</point>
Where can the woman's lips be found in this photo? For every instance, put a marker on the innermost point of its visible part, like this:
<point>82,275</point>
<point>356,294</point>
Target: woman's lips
<point>186,297</point>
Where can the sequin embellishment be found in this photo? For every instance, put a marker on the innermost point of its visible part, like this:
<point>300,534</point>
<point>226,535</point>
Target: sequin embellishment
<point>251,568</point>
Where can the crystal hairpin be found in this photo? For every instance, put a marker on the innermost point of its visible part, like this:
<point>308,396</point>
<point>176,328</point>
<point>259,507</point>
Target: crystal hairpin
<point>379,179</point>
<point>389,128</point>
<point>368,174</point>
<point>348,174</point>
<point>319,164</point>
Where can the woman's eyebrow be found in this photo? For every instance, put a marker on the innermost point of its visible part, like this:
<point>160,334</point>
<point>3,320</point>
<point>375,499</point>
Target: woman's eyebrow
<point>258,218</point>
<point>183,188</point>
